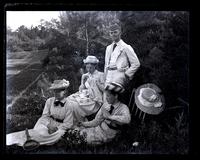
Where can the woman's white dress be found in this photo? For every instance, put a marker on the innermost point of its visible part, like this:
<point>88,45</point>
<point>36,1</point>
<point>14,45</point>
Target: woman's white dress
<point>40,130</point>
<point>89,100</point>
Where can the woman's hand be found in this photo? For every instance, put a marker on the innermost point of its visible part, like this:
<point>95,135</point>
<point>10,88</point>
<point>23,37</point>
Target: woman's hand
<point>83,124</point>
<point>80,124</point>
<point>51,129</point>
<point>81,88</point>
<point>106,108</point>
<point>85,77</point>
<point>106,114</point>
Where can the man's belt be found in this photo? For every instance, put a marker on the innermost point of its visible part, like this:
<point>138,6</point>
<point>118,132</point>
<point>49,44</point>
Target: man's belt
<point>115,68</point>
<point>56,119</point>
<point>112,68</point>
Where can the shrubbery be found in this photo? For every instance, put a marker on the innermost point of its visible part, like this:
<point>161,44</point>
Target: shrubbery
<point>161,42</point>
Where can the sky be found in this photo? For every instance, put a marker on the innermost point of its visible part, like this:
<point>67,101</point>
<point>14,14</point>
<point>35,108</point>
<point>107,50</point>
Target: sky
<point>15,19</point>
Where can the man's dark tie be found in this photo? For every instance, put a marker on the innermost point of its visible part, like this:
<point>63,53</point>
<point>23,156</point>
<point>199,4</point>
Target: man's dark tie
<point>111,109</point>
<point>114,46</point>
<point>59,102</point>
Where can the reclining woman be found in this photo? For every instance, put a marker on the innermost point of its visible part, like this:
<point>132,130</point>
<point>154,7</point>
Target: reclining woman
<point>109,118</point>
<point>89,98</point>
<point>57,117</point>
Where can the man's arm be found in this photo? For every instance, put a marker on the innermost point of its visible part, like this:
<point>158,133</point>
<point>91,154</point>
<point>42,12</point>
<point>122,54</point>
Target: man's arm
<point>95,122</point>
<point>122,118</point>
<point>134,62</point>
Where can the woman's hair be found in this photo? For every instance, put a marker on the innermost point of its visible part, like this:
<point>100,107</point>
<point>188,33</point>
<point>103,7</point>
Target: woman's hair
<point>94,64</point>
<point>66,92</point>
<point>64,89</point>
<point>112,92</point>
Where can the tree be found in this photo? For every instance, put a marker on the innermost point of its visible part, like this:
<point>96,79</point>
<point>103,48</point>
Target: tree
<point>160,39</point>
<point>89,26</point>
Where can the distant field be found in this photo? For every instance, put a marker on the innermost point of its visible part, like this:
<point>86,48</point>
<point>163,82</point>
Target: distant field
<point>22,71</point>
<point>18,55</point>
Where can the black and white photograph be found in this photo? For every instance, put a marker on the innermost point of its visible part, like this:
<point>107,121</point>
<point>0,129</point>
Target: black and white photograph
<point>97,82</point>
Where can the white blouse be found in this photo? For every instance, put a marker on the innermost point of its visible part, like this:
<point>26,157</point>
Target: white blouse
<point>62,113</point>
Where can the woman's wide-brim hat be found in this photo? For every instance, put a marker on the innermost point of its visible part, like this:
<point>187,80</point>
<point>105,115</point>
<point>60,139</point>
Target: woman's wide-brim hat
<point>59,84</point>
<point>149,99</point>
<point>91,59</point>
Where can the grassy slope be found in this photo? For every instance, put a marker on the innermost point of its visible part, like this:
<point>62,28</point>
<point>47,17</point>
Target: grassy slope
<point>154,136</point>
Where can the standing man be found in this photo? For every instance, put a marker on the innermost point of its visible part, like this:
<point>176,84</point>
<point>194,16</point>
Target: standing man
<point>121,62</point>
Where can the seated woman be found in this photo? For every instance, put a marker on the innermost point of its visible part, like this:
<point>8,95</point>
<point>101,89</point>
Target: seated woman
<point>90,96</point>
<point>56,118</point>
<point>106,123</point>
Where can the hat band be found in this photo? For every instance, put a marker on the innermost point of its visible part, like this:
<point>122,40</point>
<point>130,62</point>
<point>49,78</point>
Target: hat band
<point>146,103</point>
<point>90,61</point>
<point>58,86</point>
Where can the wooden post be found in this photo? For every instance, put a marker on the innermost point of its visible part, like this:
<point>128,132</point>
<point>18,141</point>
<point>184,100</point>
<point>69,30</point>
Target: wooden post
<point>136,111</point>
<point>143,117</point>
<point>140,114</point>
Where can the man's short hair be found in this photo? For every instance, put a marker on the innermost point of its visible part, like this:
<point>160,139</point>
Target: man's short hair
<point>115,25</point>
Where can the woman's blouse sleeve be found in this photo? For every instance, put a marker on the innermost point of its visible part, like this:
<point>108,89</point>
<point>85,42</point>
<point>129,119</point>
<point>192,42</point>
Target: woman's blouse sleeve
<point>124,117</point>
<point>101,81</point>
<point>95,122</point>
<point>46,110</point>
<point>68,120</point>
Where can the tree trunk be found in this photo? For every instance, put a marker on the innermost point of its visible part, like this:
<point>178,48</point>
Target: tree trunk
<point>86,37</point>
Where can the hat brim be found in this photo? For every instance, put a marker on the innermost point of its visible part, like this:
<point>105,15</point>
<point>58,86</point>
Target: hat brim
<point>115,88</point>
<point>109,87</point>
<point>150,110</point>
<point>57,88</point>
<point>92,62</point>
